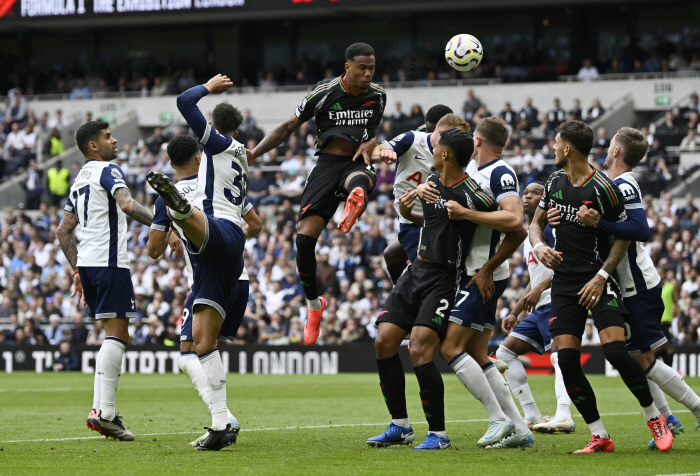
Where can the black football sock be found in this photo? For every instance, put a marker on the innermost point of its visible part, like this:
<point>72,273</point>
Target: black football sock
<point>577,385</point>
<point>432,395</point>
<point>306,265</point>
<point>362,181</point>
<point>396,271</point>
<point>392,381</point>
<point>630,371</point>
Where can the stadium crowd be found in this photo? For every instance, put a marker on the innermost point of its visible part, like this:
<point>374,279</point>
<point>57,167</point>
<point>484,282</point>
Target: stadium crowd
<point>36,307</point>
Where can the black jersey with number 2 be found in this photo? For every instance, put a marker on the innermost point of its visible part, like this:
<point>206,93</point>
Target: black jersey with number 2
<point>584,249</point>
<point>340,114</point>
<point>443,240</point>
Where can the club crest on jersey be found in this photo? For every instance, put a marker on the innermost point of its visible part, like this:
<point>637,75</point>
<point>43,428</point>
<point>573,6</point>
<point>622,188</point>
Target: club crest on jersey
<point>116,174</point>
<point>507,181</point>
<point>302,105</point>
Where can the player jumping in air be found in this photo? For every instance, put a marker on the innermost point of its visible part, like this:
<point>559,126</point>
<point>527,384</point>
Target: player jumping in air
<point>348,111</point>
<point>531,334</point>
<point>215,241</point>
<point>99,201</point>
<point>641,284</point>
<point>414,152</point>
<point>420,302</point>
<point>185,158</point>
<point>473,316</point>
<point>584,279</point>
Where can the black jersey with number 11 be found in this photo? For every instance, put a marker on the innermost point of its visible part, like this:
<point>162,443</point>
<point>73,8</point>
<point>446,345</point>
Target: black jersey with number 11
<point>443,240</point>
<point>584,249</point>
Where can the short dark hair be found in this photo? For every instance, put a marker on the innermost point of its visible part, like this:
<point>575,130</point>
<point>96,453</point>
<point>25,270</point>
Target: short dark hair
<point>181,149</point>
<point>493,130</point>
<point>436,113</point>
<point>634,145</point>
<point>578,134</point>
<point>358,49</point>
<point>88,132</point>
<point>226,118</point>
<point>460,143</point>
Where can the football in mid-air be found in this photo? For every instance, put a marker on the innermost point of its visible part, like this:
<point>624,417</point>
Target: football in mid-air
<point>464,52</point>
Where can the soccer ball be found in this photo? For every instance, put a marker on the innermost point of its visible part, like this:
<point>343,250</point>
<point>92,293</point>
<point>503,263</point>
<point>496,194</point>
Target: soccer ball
<point>464,52</point>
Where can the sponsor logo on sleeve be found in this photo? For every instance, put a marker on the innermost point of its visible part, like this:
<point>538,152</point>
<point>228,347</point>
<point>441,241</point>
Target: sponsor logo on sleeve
<point>507,181</point>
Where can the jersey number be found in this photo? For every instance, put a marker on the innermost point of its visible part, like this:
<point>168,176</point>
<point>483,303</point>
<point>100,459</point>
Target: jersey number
<point>416,177</point>
<point>466,295</point>
<point>445,304</point>
<point>76,194</point>
<point>240,183</point>
<point>185,315</point>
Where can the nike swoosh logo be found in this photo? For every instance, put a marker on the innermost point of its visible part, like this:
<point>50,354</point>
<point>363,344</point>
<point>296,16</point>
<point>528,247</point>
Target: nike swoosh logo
<point>442,447</point>
<point>419,158</point>
<point>404,435</point>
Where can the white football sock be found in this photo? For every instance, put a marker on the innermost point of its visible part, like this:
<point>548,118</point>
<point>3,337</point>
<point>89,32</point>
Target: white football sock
<point>314,304</point>
<point>216,383</point>
<point>469,373</point>
<point>505,400</point>
<point>598,429</point>
<point>111,355</point>
<point>402,422</point>
<point>180,216</point>
<point>97,389</point>
<point>517,380</point>
<point>659,399</point>
<point>563,400</point>
<point>441,434</point>
<point>651,412</point>
<point>672,383</point>
<point>190,366</point>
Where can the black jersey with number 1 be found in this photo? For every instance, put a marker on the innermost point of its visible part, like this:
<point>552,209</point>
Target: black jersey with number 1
<point>443,240</point>
<point>584,249</point>
<point>340,114</point>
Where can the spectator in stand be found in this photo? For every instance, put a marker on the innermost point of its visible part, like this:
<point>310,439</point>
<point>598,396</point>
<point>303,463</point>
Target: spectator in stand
<point>257,188</point>
<point>576,113</point>
<point>248,123</point>
<point>384,187</point>
<point>96,335</point>
<point>268,84</point>
<point>33,186</point>
<point>55,144</point>
<point>471,105</point>
<point>595,111</point>
<point>80,331</point>
<point>399,121</point>
<point>588,72</point>
<point>417,118</point>
<point>602,140</point>
<point>54,333</point>
<point>14,148</point>
<point>67,359</point>
<point>80,91</point>
<point>18,108</point>
<point>29,140</point>
<point>58,183</point>
<point>156,141</point>
<point>58,121</point>
<point>556,115</point>
<point>691,141</point>
<point>274,333</point>
<point>508,115</point>
<point>669,126</point>
<point>160,87</point>
<point>530,113</point>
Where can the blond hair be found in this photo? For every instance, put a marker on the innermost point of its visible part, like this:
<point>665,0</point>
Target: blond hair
<point>452,121</point>
<point>633,144</point>
<point>493,130</point>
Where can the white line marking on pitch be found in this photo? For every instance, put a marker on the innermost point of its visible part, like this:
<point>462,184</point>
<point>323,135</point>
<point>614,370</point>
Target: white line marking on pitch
<point>73,389</point>
<point>312,427</point>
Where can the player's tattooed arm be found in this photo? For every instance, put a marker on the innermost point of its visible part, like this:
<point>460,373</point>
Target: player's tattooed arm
<point>133,208</point>
<point>593,290</point>
<point>543,252</point>
<point>66,237</point>
<point>276,136</point>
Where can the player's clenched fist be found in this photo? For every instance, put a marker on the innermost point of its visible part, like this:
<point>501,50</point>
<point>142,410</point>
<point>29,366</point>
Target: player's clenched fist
<point>218,84</point>
<point>553,216</point>
<point>547,256</point>
<point>388,156</point>
<point>456,211</point>
<point>508,324</point>
<point>588,216</point>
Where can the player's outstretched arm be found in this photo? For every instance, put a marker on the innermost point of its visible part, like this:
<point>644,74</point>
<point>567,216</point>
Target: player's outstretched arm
<point>254,224</point>
<point>546,255</point>
<point>187,103</point>
<point>133,208</point>
<point>508,218</point>
<point>276,136</point>
<point>593,290</point>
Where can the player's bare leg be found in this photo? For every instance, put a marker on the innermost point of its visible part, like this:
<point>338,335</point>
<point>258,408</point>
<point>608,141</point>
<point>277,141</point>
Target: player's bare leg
<point>358,185</point>
<point>395,259</point>
<point>469,372</point>
<point>110,357</point>
<point>309,229</point>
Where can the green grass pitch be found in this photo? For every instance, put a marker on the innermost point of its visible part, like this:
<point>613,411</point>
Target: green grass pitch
<point>306,424</point>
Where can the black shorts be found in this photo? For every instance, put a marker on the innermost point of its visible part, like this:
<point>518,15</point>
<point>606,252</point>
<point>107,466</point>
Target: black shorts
<point>325,184</point>
<point>568,317</point>
<point>423,296</point>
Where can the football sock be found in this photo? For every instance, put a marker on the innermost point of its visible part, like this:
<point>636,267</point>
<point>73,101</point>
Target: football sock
<point>505,399</point>
<point>306,266</point>
<point>392,381</point>
<point>598,429</point>
<point>676,388</point>
<point>432,395</point>
<point>97,389</point>
<point>563,400</point>
<point>216,382</point>
<point>659,399</point>
<point>441,434</point>
<point>631,372</point>
<point>396,271</point>
<point>180,216</point>
<point>314,304</point>
<point>517,380</point>
<point>577,386</point>
<point>469,373</point>
<point>362,181</point>
<point>190,366</point>
<point>111,354</point>
<point>402,422</point>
